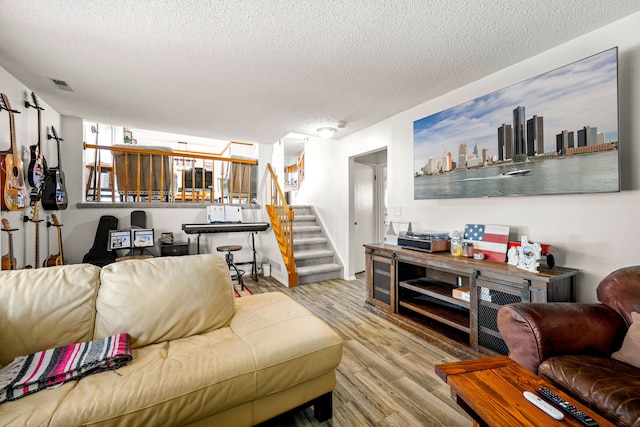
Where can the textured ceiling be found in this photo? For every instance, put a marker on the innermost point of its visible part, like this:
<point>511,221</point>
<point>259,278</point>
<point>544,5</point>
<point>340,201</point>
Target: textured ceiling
<point>257,70</point>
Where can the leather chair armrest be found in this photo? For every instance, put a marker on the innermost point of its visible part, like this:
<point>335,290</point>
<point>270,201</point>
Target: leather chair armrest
<point>536,332</point>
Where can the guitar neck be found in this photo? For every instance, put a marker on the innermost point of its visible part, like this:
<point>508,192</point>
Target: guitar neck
<point>11,251</point>
<point>12,132</point>
<point>60,254</point>
<point>8,261</point>
<point>59,155</point>
<point>37,254</point>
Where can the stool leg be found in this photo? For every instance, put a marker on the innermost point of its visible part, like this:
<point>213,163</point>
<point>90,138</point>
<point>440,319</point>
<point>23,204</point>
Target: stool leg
<point>86,193</point>
<point>239,276</point>
<point>229,259</point>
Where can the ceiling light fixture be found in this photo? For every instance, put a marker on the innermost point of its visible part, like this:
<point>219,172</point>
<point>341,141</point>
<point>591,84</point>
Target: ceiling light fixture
<point>326,132</point>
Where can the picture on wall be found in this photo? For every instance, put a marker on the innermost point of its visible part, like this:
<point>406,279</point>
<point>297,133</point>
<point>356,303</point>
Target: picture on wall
<point>556,133</point>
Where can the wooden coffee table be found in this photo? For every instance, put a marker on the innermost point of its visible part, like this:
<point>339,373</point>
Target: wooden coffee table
<point>490,391</point>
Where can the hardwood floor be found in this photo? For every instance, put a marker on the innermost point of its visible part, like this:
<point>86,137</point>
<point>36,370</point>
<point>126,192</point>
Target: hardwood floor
<point>386,377</point>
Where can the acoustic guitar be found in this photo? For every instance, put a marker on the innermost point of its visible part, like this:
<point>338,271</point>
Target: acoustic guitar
<point>13,191</point>
<point>8,260</point>
<point>54,192</point>
<point>57,259</point>
<point>38,170</point>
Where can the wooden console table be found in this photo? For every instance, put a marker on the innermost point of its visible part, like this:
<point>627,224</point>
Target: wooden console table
<point>410,284</point>
<point>491,390</point>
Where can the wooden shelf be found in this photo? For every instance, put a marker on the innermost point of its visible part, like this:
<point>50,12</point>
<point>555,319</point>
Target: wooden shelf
<point>455,318</point>
<point>434,289</point>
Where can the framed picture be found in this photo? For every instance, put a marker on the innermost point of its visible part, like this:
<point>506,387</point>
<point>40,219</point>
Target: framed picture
<point>556,133</point>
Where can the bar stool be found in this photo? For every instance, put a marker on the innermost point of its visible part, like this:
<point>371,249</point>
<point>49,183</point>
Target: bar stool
<point>229,258</point>
<point>96,191</point>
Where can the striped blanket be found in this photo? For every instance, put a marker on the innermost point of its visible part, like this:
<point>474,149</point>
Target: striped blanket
<point>48,368</point>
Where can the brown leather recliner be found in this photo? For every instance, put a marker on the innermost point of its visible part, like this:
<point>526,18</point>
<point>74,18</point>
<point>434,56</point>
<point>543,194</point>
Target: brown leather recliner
<point>570,345</point>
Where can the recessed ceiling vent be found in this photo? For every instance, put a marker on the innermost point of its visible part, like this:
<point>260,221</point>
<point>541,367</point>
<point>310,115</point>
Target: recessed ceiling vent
<point>62,85</point>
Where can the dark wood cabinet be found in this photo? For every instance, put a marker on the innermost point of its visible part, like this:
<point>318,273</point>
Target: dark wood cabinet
<point>406,284</point>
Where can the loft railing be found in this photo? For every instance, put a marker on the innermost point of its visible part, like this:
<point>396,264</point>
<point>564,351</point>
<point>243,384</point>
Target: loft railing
<point>281,216</point>
<point>171,176</point>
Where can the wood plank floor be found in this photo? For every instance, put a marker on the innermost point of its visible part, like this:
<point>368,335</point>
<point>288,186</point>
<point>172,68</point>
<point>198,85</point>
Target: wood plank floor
<point>386,377</point>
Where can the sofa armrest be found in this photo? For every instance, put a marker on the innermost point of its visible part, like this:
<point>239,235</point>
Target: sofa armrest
<point>536,332</point>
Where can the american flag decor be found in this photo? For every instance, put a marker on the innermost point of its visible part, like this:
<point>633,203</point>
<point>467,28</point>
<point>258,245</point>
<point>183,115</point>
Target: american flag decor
<point>491,240</point>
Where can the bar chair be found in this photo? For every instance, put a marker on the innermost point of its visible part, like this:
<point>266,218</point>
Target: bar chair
<point>229,259</point>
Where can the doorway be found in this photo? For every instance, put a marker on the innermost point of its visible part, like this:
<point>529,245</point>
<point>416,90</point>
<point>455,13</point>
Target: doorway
<point>367,200</point>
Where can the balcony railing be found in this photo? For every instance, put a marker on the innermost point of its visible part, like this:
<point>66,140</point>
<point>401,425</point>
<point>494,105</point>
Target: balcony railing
<point>157,174</point>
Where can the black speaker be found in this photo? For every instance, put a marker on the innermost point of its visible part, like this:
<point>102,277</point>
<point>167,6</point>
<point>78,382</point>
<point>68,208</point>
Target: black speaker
<point>139,219</point>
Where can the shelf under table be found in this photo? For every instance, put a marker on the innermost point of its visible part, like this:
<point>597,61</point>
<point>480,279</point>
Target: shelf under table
<point>457,318</point>
<point>434,289</point>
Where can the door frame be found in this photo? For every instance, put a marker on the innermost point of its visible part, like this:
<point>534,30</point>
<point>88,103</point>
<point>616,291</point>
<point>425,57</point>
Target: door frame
<point>377,159</point>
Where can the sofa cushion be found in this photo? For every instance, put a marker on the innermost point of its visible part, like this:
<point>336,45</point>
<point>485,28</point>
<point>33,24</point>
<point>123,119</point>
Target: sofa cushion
<point>46,308</point>
<point>166,298</point>
<point>630,350</point>
<point>171,383</point>
<point>610,387</point>
<point>289,343</point>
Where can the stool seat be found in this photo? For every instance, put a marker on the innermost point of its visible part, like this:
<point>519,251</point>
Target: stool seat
<point>230,248</point>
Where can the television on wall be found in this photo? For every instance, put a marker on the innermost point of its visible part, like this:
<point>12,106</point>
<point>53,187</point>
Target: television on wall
<point>556,133</point>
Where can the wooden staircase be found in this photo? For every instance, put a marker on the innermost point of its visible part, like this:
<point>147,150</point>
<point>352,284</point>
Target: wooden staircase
<point>306,251</point>
<point>314,257</point>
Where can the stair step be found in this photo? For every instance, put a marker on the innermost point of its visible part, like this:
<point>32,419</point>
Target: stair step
<point>310,257</point>
<point>312,253</point>
<point>320,268</point>
<point>307,229</point>
<point>301,210</point>
<point>301,241</point>
<point>318,273</point>
<point>304,218</point>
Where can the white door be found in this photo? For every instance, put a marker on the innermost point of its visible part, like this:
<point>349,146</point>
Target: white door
<point>364,212</point>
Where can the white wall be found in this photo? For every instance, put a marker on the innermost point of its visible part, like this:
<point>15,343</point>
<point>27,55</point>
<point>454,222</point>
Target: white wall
<point>594,233</point>
<point>26,134</point>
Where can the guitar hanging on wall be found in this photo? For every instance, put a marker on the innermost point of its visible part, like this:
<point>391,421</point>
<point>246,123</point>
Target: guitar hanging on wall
<point>57,259</point>
<point>13,191</point>
<point>8,260</point>
<point>38,170</point>
<point>54,192</point>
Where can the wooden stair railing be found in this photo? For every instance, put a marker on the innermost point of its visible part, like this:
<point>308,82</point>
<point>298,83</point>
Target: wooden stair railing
<point>281,216</point>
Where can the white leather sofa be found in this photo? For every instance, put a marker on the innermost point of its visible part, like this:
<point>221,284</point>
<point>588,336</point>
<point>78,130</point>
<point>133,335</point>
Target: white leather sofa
<point>200,356</point>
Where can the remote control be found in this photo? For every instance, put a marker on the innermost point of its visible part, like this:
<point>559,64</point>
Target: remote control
<point>567,407</point>
<point>546,407</point>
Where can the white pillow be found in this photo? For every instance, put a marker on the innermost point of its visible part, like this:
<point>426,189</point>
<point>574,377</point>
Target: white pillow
<point>630,350</point>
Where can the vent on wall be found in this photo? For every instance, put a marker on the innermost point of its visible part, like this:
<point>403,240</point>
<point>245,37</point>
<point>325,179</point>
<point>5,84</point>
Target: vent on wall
<point>62,85</point>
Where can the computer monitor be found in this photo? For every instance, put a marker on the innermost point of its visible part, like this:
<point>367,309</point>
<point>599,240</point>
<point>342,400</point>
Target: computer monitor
<point>142,237</point>
<point>119,239</point>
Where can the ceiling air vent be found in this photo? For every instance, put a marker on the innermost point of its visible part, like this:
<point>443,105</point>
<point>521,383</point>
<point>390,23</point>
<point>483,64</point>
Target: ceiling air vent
<point>62,85</point>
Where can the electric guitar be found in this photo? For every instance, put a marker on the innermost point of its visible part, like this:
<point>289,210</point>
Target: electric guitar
<point>57,259</point>
<point>54,192</point>
<point>13,191</point>
<point>38,170</point>
<point>8,261</point>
